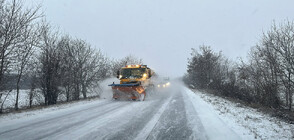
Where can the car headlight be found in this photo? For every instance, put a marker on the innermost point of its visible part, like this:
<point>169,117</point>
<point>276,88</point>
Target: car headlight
<point>167,83</point>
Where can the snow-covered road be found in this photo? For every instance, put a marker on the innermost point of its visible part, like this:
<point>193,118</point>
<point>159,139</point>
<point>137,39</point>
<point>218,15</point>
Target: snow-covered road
<point>175,113</point>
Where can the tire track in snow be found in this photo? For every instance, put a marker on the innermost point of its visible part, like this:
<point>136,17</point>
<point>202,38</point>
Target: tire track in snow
<point>133,121</point>
<point>51,119</point>
<point>145,132</point>
<point>96,124</point>
<point>174,123</point>
<point>78,124</point>
<point>51,126</point>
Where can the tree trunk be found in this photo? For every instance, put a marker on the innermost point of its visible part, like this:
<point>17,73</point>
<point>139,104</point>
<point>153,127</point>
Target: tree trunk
<point>2,69</point>
<point>78,92</point>
<point>31,97</point>
<point>84,91</point>
<point>290,103</point>
<point>67,93</point>
<point>289,91</point>
<point>33,86</point>
<point>17,91</point>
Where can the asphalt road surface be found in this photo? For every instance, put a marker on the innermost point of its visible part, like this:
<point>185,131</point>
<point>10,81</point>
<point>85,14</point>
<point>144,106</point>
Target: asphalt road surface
<point>165,114</point>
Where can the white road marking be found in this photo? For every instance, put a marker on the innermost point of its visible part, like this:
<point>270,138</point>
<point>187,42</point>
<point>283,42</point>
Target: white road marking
<point>151,124</point>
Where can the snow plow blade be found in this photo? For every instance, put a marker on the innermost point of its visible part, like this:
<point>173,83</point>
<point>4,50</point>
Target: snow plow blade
<point>130,91</point>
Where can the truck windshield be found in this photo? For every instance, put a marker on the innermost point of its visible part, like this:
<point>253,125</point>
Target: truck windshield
<point>133,73</point>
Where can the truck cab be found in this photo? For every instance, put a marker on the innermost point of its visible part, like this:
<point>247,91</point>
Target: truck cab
<point>134,74</point>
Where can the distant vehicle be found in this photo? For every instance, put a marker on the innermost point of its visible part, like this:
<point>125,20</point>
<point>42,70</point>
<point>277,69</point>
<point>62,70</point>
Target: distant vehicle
<point>164,83</point>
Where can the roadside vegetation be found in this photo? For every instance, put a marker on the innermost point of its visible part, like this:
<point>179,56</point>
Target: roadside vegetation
<point>266,80</point>
<point>49,65</point>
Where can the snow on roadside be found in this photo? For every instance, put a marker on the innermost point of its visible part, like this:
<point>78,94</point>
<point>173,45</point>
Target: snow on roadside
<point>105,95</point>
<point>215,128</point>
<point>247,122</point>
<point>23,99</point>
<point>62,108</point>
<point>103,90</point>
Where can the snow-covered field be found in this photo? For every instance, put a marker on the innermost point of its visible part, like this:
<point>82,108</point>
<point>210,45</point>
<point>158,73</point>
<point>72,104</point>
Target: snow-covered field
<point>38,98</point>
<point>174,113</point>
<point>248,122</point>
<point>23,99</point>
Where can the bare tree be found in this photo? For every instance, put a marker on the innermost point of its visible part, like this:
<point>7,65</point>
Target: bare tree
<point>212,71</point>
<point>33,76</point>
<point>23,56</point>
<point>90,67</point>
<point>16,28</point>
<point>281,40</point>
<point>49,60</point>
<point>68,61</point>
<point>267,78</point>
<point>204,68</point>
<point>263,76</point>
<point>82,67</point>
<point>96,69</point>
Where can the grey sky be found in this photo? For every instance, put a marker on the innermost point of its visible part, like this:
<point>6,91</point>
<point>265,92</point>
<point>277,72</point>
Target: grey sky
<point>162,32</point>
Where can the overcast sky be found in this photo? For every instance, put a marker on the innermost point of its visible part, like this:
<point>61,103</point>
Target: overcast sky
<point>162,32</point>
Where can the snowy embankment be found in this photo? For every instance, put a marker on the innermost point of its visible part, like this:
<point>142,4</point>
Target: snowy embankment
<point>48,111</point>
<point>38,98</point>
<point>105,93</point>
<point>247,122</point>
<point>9,98</point>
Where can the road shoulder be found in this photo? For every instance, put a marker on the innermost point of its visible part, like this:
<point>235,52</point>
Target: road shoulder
<point>247,122</point>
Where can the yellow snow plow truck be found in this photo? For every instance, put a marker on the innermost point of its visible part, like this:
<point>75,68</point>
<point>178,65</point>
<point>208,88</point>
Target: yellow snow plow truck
<point>134,81</point>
